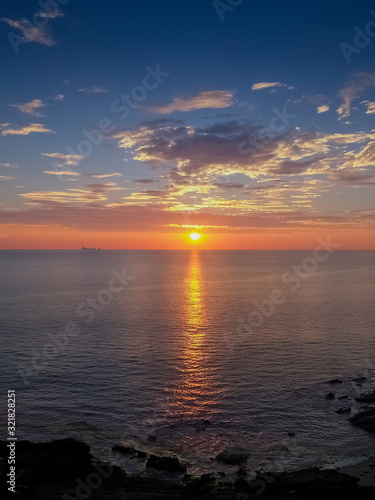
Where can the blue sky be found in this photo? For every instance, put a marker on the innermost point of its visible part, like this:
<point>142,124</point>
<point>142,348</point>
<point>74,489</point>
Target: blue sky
<point>272,79</point>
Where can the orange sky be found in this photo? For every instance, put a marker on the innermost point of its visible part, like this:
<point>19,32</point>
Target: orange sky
<point>22,236</point>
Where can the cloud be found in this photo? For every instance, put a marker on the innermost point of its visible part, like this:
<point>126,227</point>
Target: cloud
<point>58,97</point>
<point>93,90</point>
<point>8,165</point>
<point>270,85</point>
<point>6,178</point>
<point>359,84</point>
<point>30,108</point>
<point>51,15</point>
<point>370,107</point>
<point>144,181</point>
<point>66,159</point>
<point>28,129</point>
<point>323,109</point>
<point>62,172</point>
<point>31,33</point>
<point>103,176</point>
<point>209,99</point>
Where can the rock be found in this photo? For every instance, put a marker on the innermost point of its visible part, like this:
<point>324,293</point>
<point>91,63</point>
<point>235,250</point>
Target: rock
<point>233,456</point>
<point>341,411</point>
<point>365,419</point>
<point>366,398</point>
<point>207,422</point>
<point>343,397</point>
<point>129,450</point>
<point>151,438</point>
<point>171,464</point>
<point>335,381</point>
<point>359,380</point>
<point>291,434</point>
<point>330,396</point>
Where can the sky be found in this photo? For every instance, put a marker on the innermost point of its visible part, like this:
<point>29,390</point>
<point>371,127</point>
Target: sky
<point>133,124</point>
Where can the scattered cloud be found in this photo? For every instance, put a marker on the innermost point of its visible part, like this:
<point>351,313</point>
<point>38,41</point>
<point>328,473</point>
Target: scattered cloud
<point>103,176</point>
<point>370,107</point>
<point>6,178</point>
<point>28,129</point>
<point>51,15</point>
<point>30,108</point>
<point>93,90</point>
<point>323,109</point>
<point>359,84</point>
<point>58,97</point>
<point>210,99</point>
<point>8,165</point>
<point>66,159</point>
<point>30,32</point>
<point>61,172</point>
<point>270,85</point>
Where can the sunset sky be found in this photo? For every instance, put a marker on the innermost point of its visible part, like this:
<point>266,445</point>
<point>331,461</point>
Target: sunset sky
<point>132,124</point>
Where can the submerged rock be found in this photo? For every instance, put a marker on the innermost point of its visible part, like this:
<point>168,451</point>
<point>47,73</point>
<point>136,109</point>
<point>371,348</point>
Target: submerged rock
<point>335,381</point>
<point>366,398</point>
<point>343,410</point>
<point>233,456</point>
<point>171,464</point>
<point>330,396</point>
<point>343,397</point>
<point>365,419</point>
<point>129,450</point>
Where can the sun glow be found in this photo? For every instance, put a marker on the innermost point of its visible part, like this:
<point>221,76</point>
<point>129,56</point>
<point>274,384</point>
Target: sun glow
<point>195,236</point>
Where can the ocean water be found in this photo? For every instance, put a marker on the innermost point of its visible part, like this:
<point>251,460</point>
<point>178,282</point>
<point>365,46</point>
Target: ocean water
<point>187,337</point>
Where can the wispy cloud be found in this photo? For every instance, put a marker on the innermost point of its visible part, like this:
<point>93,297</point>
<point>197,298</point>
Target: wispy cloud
<point>270,85</point>
<point>8,165</point>
<point>30,108</point>
<point>66,159</point>
<point>323,109</point>
<point>28,129</point>
<point>30,32</point>
<point>6,178</point>
<point>359,84</point>
<point>103,176</point>
<point>210,99</point>
<point>370,107</point>
<point>58,97</point>
<point>62,172</point>
<point>95,89</point>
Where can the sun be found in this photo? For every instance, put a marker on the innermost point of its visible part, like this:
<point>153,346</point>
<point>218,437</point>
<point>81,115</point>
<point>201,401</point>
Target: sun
<point>195,236</point>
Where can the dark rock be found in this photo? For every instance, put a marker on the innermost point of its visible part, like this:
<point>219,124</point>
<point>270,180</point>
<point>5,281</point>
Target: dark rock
<point>341,411</point>
<point>330,396</point>
<point>359,380</point>
<point>126,450</point>
<point>335,381</point>
<point>207,422</point>
<point>129,450</point>
<point>343,397</point>
<point>291,434</point>
<point>365,420</point>
<point>366,398</point>
<point>171,464</point>
<point>151,438</point>
<point>233,456</point>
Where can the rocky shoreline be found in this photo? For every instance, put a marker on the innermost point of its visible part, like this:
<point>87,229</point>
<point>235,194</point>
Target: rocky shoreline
<point>65,470</point>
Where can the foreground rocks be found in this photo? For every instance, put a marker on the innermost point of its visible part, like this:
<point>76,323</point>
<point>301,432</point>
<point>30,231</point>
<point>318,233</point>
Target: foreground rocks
<point>365,419</point>
<point>66,470</point>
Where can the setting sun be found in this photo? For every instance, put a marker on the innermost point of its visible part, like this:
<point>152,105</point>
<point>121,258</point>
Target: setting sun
<point>195,236</point>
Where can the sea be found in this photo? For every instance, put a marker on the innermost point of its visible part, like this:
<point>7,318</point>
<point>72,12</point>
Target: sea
<point>187,353</point>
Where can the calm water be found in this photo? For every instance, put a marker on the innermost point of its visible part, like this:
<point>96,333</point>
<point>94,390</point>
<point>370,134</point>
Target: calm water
<point>179,345</point>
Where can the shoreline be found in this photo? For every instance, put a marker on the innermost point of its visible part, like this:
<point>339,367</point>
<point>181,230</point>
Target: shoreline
<point>66,469</point>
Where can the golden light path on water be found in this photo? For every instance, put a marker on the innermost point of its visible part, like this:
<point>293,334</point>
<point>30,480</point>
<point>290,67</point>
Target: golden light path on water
<point>196,394</point>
